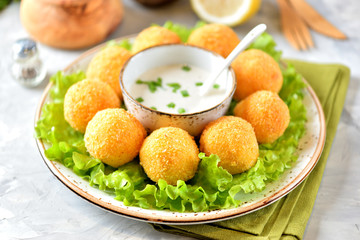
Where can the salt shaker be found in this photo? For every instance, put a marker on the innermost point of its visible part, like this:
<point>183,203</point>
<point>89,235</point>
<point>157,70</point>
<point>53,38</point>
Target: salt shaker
<point>27,68</point>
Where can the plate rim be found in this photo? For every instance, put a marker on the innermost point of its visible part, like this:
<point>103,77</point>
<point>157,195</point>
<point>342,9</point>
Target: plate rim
<point>201,217</point>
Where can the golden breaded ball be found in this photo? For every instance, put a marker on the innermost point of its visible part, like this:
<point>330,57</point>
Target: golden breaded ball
<point>215,37</point>
<point>233,140</point>
<point>114,136</point>
<point>267,113</point>
<point>106,66</point>
<point>171,154</point>
<point>256,70</point>
<point>153,36</point>
<point>84,99</point>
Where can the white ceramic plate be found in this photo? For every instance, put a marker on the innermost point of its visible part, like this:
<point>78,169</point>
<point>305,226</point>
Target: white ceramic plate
<point>310,148</point>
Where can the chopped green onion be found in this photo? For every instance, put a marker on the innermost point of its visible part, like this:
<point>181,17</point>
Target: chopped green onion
<point>153,85</point>
<point>139,99</point>
<point>153,108</point>
<point>186,68</point>
<point>185,93</point>
<point>216,86</point>
<point>171,105</point>
<point>174,86</point>
<point>198,84</point>
<point>181,110</point>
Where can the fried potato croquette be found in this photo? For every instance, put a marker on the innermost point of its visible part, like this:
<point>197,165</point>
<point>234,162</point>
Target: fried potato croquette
<point>255,70</point>
<point>114,136</point>
<point>106,66</point>
<point>267,113</point>
<point>171,154</point>
<point>84,99</point>
<point>153,36</point>
<point>215,37</point>
<point>233,140</point>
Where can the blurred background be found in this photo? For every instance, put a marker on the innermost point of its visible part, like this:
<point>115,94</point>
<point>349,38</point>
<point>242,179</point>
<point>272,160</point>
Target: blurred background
<point>137,16</point>
<point>35,205</point>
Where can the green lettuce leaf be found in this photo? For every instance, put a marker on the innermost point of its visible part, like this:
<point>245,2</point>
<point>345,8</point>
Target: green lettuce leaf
<point>182,31</point>
<point>52,128</point>
<point>125,43</point>
<point>266,43</point>
<point>212,187</point>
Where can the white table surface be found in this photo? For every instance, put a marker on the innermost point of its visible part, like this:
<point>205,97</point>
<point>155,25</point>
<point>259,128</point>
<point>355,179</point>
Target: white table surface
<point>35,205</point>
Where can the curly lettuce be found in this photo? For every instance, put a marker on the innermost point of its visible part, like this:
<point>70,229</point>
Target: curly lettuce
<point>182,31</point>
<point>211,188</point>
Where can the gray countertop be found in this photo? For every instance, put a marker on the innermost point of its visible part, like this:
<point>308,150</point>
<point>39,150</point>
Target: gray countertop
<point>35,205</point>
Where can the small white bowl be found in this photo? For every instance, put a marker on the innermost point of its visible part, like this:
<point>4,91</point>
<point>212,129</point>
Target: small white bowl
<point>170,54</point>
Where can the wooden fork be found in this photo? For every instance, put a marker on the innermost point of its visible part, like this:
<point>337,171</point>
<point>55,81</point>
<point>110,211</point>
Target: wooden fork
<point>315,20</point>
<point>294,27</point>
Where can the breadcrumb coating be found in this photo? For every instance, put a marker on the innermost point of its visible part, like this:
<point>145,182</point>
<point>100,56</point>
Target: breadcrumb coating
<point>256,70</point>
<point>233,140</point>
<point>215,37</point>
<point>106,66</point>
<point>171,154</point>
<point>84,99</point>
<point>114,136</point>
<point>153,36</point>
<point>267,113</point>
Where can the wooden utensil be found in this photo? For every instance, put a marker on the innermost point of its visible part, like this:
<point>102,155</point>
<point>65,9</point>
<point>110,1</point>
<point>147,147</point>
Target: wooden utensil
<point>315,20</point>
<point>294,27</point>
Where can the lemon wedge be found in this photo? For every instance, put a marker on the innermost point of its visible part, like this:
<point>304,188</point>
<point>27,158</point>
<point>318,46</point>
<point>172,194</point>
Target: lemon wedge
<point>228,12</point>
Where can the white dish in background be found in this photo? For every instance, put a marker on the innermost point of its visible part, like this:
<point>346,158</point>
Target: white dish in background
<point>159,56</point>
<point>310,149</point>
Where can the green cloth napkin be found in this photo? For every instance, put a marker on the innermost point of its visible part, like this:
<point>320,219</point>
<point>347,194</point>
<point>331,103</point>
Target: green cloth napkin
<point>286,218</point>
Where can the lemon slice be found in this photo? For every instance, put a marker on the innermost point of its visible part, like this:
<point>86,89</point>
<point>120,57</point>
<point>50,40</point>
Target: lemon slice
<point>228,12</point>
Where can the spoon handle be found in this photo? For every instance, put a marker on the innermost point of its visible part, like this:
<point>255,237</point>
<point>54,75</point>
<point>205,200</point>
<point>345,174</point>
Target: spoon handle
<point>244,43</point>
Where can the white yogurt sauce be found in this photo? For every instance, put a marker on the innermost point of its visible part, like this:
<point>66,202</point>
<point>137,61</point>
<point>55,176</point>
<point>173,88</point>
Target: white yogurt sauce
<point>164,99</point>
